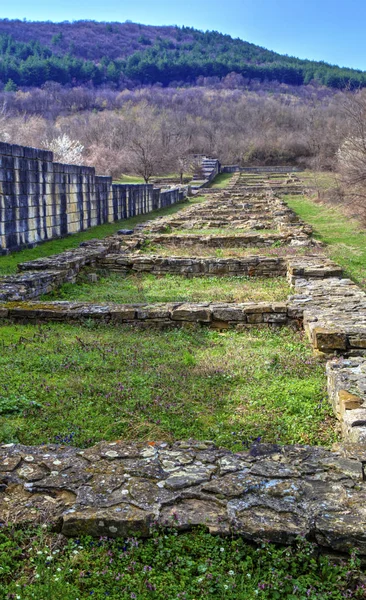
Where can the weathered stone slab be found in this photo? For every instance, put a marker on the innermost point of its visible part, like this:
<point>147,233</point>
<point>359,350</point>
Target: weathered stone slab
<point>118,489</point>
<point>347,394</point>
<point>161,313</point>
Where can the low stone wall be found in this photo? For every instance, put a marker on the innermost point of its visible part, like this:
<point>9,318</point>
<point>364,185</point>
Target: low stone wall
<point>269,169</point>
<point>218,315</point>
<point>235,209</point>
<point>347,393</point>
<point>334,311</point>
<point>251,266</point>
<point>334,316</point>
<point>248,240</point>
<point>230,169</point>
<point>43,275</point>
<point>41,200</point>
<point>269,493</point>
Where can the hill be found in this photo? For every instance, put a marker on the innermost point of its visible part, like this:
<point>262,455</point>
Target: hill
<point>121,54</point>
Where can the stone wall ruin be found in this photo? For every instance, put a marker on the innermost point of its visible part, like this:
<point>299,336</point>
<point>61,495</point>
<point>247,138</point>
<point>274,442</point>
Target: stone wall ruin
<point>267,493</point>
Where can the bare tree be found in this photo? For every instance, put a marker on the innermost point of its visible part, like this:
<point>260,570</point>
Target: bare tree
<point>148,149</point>
<point>352,153</point>
<point>182,153</point>
<point>184,164</point>
<point>154,130</point>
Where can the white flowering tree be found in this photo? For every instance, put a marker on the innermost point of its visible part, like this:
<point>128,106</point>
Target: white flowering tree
<point>65,149</point>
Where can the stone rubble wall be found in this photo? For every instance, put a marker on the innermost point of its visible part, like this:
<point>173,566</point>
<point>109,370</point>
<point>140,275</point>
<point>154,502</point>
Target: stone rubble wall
<point>259,170</point>
<point>269,169</point>
<point>42,200</point>
<point>334,315</point>
<point>163,315</point>
<point>252,266</point>
<point>236,209</point>
<point>347,393</point>
<point>248,240</point>
<point>269,493</point>
<point>42,276</point>
<point>334,312</point>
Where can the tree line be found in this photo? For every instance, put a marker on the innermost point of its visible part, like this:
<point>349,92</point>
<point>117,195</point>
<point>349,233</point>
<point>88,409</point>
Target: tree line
<point>164,61</point>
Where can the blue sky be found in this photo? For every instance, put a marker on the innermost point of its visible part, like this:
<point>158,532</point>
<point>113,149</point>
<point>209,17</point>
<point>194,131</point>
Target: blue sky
<point>330,30</point>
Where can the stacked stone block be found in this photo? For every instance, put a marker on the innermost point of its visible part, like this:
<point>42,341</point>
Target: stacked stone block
<point>25,195</point>
<point>251,266</point>
<point>42,200</point>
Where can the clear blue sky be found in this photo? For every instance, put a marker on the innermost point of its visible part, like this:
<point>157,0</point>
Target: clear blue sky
<point>330,30</point>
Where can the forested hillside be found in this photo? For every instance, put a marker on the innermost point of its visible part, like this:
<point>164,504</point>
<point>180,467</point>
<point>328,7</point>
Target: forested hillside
<point>98,93</point>
<point>129,54</point>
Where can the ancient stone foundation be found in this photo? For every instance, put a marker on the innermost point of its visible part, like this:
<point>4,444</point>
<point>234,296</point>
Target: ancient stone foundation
<point>267,493</point>
<point>270,493</point>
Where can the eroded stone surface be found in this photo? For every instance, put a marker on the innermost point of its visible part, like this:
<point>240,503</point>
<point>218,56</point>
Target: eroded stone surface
<point>114,489</point>
<point>219,315</point>
<point>347,393</point>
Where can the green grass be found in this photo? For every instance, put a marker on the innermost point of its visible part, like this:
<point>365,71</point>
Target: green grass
<point>323,180</point>
<point>37,565</point>
<point>130,179</point>
<point>346,241</point>
<point>139,179</point>
<point>97,382</point>
<point>8,264</point>
<point>221,180</point>
<point>172,288</point>
<point>202,250</point>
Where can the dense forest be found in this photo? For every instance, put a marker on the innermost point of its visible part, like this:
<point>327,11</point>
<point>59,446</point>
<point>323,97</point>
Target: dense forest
<point>122,55</point>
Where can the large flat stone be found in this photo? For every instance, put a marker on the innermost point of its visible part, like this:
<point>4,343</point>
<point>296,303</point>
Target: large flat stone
<point>118,489</point>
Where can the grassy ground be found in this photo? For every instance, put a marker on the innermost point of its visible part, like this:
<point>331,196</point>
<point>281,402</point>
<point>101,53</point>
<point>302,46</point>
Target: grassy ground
<point>138,179</point>
<point>322,180</point>
<point>218,252</point>
<point>130,179</point>
<point>221,180</point>
<point>81,384</point>
<point>37,565</point>
<point>171,288</point>
<point>345,239</point>
<point>8,264</point>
